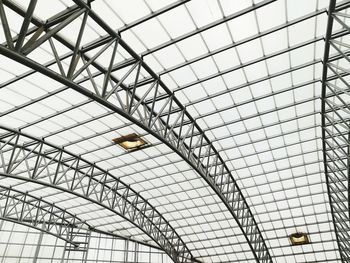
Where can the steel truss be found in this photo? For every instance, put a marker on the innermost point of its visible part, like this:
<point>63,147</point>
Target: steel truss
<point>27,158</point>
<point>150,105</point>
<point>23,208</point>
<point>335,123</point>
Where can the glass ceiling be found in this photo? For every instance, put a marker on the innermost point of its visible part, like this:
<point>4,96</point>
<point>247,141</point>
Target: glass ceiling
<point>249,73</point>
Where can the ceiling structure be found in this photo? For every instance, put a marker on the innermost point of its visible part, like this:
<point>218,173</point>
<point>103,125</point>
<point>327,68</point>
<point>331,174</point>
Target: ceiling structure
<point>243,107</point>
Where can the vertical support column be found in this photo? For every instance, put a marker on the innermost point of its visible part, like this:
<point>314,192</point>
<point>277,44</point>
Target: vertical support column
<point>25,241</point>
<point>136,256</point>
<point>126,251</point>
<point>8,241</point>
<point>64,256</point>
<point>87,241</point>
<point>37,249</point>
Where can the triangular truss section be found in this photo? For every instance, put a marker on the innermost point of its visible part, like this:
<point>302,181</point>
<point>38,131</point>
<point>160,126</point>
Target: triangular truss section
<point>336,121</point>
<point>30,159</point>
<point>23,208</point>
<point>125,84</point>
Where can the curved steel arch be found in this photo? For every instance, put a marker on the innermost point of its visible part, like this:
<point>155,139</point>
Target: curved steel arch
<point>23,208</point>
<point>27,158</point>
<point>336,124</point>
<point>177,129</point>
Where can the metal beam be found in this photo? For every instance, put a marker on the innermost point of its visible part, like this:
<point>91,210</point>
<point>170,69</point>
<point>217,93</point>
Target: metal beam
<point>247,40</point>
<point>110,113</point>
<point>23,208</point>
<point>212,168</point>
<point>152,15</point>
<point>209,26</point>
<point>336,128</point>
<point>27,158</point>
<point>104,39</point>
<point>25,24</point>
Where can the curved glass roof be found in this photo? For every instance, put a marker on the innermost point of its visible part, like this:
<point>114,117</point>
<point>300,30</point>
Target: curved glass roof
<point>226,94</point>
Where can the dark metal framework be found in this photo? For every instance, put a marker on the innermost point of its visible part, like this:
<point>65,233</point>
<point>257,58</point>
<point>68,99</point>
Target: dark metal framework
<point>149,104</point>
<point>120,250</point>
<point>30,159</point>
<point>23,208</point>
<point>335,122</point>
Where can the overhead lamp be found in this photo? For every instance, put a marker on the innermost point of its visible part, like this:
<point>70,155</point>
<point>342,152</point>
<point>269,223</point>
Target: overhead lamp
<point>299,238</point>
<point>130,142</point>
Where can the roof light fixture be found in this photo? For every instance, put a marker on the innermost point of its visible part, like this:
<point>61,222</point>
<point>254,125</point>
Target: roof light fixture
<point>130,142</point>
<point>299,238</point>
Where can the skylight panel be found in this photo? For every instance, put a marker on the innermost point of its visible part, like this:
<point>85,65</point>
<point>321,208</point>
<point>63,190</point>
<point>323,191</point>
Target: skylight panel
<point>256,71</point>
<point>170,21</point>
<point>272,145</point>
<point>147,30</point>
<point>192,47</point>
